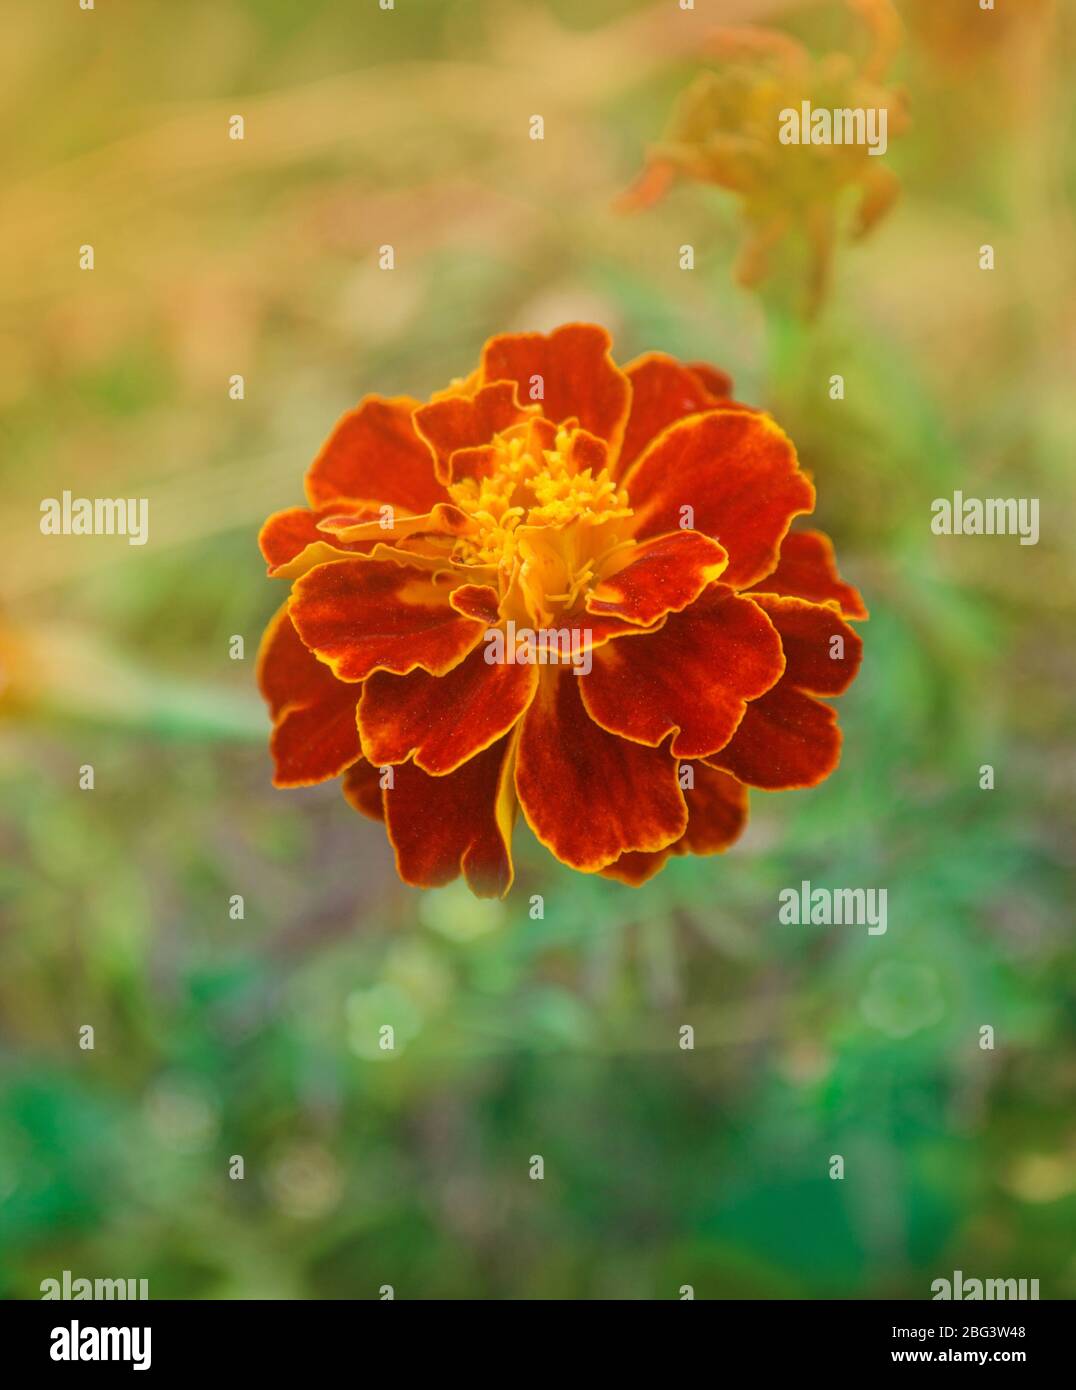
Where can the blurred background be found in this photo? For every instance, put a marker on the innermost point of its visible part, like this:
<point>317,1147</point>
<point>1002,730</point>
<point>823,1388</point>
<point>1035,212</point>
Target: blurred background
<point>258,1037</point>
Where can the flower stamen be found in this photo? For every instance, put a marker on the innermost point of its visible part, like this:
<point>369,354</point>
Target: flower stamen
<point>530,484</point>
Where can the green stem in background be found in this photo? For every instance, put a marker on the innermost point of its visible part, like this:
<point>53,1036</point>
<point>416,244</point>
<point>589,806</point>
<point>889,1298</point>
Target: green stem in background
<point>787,348</point>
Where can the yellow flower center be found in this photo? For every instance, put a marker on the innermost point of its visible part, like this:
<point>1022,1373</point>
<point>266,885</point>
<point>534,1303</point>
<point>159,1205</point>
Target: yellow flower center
<point>545,517</point>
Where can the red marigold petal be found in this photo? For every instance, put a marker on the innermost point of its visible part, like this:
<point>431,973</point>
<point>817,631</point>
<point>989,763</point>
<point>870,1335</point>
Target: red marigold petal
<point>588,795</point>
<point>662,575</point>
<point>444,519</point>
<point>807,568</point>
<point>476,601</point>
<point>717,382</point>
<point>785,740</point>
<point>691,679</point>
<point>314,732</point>
<point>374,454</point>
<point>814,661</point>
<point>717,815</point>
<point>443,720</point>
<point>595,629</point>
<point>717,812</point>
<point>587,451</point>
<point>587,631</point>
<point>362,789</point>
<point>292,544</point>
<point>442,826</point>
<point>636,868</point>
<point>662,392</point>
<point>578,376</point>
<point>361,616</point>
<point>738,471</point>
<point>466,422</point>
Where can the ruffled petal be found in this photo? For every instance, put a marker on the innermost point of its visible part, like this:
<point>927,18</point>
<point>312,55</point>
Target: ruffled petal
<point>362,616</point>
<point>443,720</point>
<point>807,568</point>
<point>541,573</point>
<point>578,377</point>
<point>738,472</point>
<point>717,382</point>
<point>444,520</point>
<point>362,789</point>
<point>588,795</point>
<point>292,544</point>
<point>785,740</point>
<point>636,867</point>
<point>375,455</point>
<point>662,392</point>
<point>476,601</point>
<point>822,653</point>
<point>314,731</point>
<point>442,826</point>
<point>663,575</point>
<point>717,812</point>
<point>588,631</point>
<point>466,422</point>
<point>717,815</point>
<point>692,679</point>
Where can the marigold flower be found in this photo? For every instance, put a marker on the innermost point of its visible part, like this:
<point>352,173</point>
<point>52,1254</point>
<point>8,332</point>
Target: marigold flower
<point>725,131</point>
<point>643,514</point>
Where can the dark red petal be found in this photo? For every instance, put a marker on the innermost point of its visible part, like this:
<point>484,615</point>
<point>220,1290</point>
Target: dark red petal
<point>443,720</point>
<point>785,740</point>
<point>588,795</point>
<point>578,376</point>
<point>476,601</point>
<point>717,382</point>
<point>466,422</point>
<point>292,544</point>
<point>717,815</point>
<point>636,868</point>
<point>662,575</point>
<point>314,731</point>
<point>663,391</point>
<point>362,788</point>
<point>692,678</point>
<point>362,616</point>
<point>717,812</point>
<point>374,455</point>
<point>822,653</point>
<point>738,473</point>
<point>442,826</point>
<point>807,568</point>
